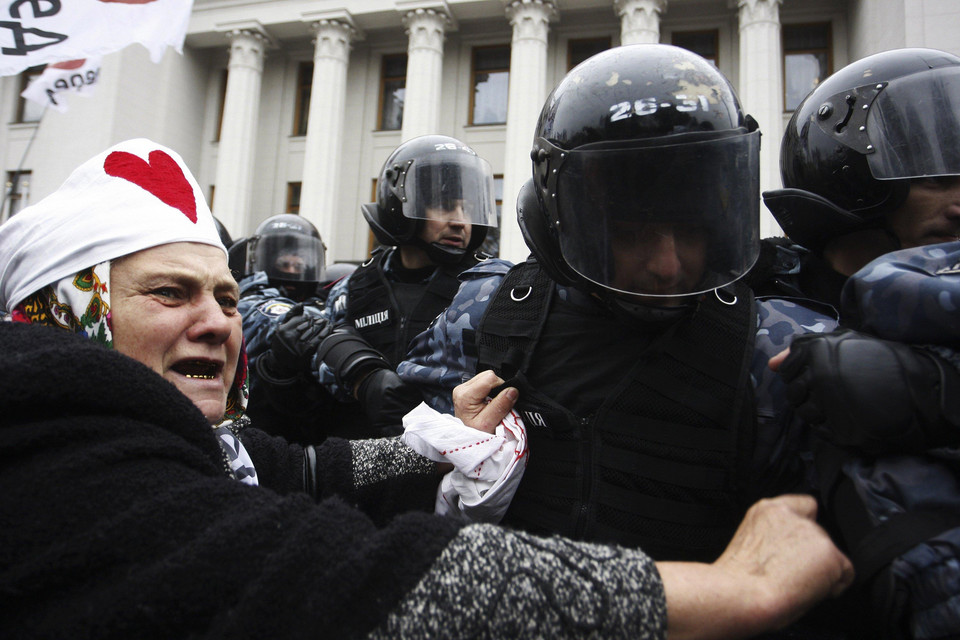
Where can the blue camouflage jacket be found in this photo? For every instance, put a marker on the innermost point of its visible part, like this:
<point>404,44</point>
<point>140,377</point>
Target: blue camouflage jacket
<point>262,308</point>
<point>913,296</point>
<point>437,361</point>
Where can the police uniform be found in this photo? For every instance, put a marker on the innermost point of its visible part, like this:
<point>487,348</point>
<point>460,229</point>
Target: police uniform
<point>652,438</point>
<point>388,305</point>
<point>301,410</point>
<point>900,513</point>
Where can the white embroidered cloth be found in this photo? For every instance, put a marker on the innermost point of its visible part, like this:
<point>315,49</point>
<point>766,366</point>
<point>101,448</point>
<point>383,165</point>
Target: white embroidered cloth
<point>487,467</point>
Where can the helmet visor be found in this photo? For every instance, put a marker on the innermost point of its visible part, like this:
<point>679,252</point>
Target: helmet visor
<point>450,186</point>
<point>665,221</point>
<point>293,257</point>
<point>914,126</point>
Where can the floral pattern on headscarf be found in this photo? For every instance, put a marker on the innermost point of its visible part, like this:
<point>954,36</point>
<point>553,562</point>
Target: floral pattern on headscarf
<point>81,304</point>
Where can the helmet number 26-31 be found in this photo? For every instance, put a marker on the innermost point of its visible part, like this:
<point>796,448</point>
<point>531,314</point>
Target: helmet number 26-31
<point>649,106</point>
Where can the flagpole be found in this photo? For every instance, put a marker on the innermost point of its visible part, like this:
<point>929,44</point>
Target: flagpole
<point>16,174</point>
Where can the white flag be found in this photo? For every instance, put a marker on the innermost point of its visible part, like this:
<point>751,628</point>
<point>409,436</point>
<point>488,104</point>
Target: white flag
<point>40,31</point>
<point>51,88</point>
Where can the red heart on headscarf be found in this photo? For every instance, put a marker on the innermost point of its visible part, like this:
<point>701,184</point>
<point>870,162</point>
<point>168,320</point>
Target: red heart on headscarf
<point>161,176</point>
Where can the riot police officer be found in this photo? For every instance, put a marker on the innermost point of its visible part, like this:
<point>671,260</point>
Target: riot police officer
<point>283,264</point>
<point>871,163</point>
<point>652,418</point>
<point>435,202</point>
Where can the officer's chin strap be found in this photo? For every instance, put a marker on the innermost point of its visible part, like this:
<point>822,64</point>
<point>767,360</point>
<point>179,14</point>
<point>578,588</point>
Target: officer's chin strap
<point>651,315</point>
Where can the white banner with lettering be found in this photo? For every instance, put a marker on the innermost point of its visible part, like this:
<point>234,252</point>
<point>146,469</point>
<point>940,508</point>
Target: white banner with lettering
<point>35,32</point>
<point>58,81</point>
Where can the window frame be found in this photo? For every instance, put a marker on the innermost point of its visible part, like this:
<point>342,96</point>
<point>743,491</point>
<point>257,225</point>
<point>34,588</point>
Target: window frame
<point>474,51</point>
<point>784,52</point>
<point>301,110</point>
<point>381,102</point>
<point>575,41</point>
<point>24,81</point>
<point>715,33</point>
<point>16,192</point>
<point>294,191</point>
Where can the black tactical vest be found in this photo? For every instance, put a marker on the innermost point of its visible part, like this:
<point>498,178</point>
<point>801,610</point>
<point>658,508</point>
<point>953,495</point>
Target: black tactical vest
<point>388,314</point>
<point>660,466</point>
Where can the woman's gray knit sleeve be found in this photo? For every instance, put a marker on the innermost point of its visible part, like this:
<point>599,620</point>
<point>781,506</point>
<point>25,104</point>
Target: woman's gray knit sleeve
<point>495,583</point>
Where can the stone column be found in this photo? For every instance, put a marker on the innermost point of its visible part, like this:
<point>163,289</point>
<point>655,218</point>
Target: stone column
<point>426,28</point>
<point>761,89</point>
<point>238,131</point>
<point>640,20</point>
<point>319,195</point>
<point>528,90</point>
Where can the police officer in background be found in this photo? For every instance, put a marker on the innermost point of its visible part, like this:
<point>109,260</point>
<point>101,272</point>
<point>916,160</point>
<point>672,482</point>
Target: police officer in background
<point>870,162</point>
<point>435,202</point>
<point>283,263</point>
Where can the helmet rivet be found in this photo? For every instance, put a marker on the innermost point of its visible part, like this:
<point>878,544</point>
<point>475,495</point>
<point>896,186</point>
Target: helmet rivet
<point>869,147</point>
<point>865,107</point>
<point>825,111</point>
<point>862,128</point>
<point>879,86</point>
<point>554,171</point>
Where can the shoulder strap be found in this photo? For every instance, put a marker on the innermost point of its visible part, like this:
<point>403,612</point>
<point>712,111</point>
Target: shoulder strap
<point>514,319</point>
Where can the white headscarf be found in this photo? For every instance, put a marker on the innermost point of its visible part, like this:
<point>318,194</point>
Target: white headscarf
<point>133,196</point>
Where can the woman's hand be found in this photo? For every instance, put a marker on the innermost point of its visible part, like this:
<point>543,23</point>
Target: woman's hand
<point>472,404</point>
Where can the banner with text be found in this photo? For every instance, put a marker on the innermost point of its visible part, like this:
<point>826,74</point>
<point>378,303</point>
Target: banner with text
<point>35,32</point>
<point>52,87</point>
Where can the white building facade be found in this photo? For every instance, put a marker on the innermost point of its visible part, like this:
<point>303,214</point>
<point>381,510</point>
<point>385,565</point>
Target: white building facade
<point>293,105</point>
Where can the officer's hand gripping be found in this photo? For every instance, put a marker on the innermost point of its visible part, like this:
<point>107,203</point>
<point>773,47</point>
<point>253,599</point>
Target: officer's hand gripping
<point>293,345</point>
<point>871,394</point>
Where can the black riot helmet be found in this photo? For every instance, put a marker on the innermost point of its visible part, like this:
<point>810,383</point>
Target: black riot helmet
<point>427,175</point>
<point>641,144</point>
<point>225,237</point>
<point>855,141</point>
<point>289,250</point>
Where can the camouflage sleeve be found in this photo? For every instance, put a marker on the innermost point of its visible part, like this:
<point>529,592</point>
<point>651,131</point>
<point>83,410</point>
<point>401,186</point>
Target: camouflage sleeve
<point>910,296</point>
<point>335,311</point>
<point>781,455</point>
<point>437,360</point>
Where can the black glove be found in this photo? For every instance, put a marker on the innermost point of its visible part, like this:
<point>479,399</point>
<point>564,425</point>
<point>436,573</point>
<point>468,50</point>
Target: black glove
<point>871,394</point>
<point>349,356</point>
<point>386,398</point>
<point>292,346</point>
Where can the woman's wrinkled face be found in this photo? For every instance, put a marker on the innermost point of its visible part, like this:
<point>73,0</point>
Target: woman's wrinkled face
<point>174,308</point>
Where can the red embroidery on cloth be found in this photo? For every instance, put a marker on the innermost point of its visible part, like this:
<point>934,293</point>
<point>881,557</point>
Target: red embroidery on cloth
<point>475,444</point>
<point>161,176</point>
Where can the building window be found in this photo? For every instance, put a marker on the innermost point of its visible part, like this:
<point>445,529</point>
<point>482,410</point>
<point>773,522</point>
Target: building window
<point>393,83</point>
<point>293,197</point>
<point>16,193</point>
<point>702,43</point>
<point>27,110</point>
<point>491,244</point>
<point>213,191</point>
<point>490,81</point>
<point>302,112</point>
<point>223,101</point>
<point>807,59</point>
<point>580,50</point>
